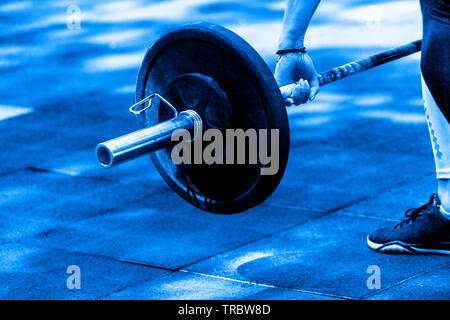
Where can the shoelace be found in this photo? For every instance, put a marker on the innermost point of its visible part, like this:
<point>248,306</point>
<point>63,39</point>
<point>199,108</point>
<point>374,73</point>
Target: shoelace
<point>413,214</point>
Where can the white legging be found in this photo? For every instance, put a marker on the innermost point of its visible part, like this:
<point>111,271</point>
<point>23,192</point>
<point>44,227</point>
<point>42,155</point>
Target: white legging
<point>439,129</point>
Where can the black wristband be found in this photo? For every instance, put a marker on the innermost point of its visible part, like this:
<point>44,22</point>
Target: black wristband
<point>281,52</point>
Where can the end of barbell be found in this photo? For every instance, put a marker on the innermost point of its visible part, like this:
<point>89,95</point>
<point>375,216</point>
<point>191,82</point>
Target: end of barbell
<point>104,156</point>
<point>146,140</point>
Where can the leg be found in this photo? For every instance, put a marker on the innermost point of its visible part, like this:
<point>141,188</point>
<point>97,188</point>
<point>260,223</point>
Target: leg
<point>439,129</point>
<point>427,228</point>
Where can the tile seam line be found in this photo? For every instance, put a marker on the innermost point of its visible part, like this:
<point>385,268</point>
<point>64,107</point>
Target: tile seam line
<point>261,284</point>
<point>351,214</point>
<point>161,188</point>
<point>271,234</point>
<point>99,214</point>
<point>93,255</point>
<point>242,245</point>
<point>326,213</point>
<point>163,276</point>
<point>417,275</point>
<point>232,280</point>
<point>399,184</point>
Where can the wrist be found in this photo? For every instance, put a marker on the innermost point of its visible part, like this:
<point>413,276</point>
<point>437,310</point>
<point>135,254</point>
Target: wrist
<point>291,50</point>
<point>286,44</point>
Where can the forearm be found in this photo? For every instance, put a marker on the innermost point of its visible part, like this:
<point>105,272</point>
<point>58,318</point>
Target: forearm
<point>296,19</point>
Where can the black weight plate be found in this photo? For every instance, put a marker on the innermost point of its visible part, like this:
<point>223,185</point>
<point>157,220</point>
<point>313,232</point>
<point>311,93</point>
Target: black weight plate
<point>246,83</point>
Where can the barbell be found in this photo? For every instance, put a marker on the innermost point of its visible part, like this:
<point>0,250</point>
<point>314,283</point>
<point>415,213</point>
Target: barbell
<point>203,76</point>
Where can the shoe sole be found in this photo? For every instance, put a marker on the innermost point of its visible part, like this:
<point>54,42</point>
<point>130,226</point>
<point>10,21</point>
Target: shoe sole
<point>402,247</point>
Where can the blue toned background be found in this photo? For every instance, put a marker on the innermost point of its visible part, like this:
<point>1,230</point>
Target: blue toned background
<point>360,157</point>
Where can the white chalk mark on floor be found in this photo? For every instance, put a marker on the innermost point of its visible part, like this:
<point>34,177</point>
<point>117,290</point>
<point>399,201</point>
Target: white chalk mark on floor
<point>7,112</point>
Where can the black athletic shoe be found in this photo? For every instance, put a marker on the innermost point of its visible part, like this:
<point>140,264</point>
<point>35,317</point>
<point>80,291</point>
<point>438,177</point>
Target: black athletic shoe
<point>424,231</point>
